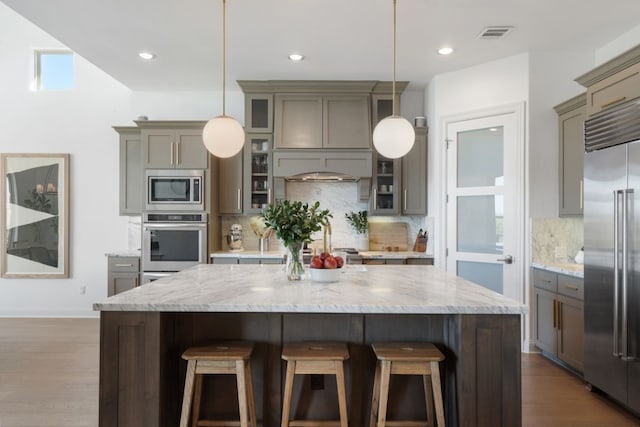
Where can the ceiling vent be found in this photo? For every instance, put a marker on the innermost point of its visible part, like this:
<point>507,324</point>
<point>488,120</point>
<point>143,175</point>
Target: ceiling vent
<point>494,33</point>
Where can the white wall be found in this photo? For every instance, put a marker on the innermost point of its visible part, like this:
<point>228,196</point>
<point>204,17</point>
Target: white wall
<point>617,46</point>
<point>493,84</point>
<point>551,82</point>
<point>79,122</point>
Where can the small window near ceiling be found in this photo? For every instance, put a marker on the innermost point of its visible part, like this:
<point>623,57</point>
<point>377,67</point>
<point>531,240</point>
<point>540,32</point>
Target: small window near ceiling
<point>53,70</point>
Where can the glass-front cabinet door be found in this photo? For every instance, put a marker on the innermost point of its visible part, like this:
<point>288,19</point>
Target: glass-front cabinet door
<point>258,113</point>
<point>258,173</point>
<point>386,186</point>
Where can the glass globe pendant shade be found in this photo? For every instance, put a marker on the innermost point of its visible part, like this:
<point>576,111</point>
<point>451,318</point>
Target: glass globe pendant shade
<point>393,137</point>
<point>223,136</point>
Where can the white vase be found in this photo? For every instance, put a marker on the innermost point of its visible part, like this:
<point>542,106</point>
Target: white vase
<point>362,242</point>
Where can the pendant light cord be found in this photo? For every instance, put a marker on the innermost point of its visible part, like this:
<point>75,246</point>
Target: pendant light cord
<point>224,55</point>
<point>393,85</point>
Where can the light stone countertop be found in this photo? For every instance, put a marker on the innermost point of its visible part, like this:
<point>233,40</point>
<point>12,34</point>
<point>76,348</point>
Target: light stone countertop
<point>127,253</point>
<point>380,289</point>
<point>394,254</point>
<point>247,254</point>
<point>569,269</point>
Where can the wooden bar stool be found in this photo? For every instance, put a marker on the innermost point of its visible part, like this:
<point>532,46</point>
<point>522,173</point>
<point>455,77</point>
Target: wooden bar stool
<point>406,359</point>
<point>219,358</point>
<point>315,358</point>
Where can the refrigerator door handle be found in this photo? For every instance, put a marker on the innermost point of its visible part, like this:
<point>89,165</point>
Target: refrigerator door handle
<point>616,275</point>
<point>625,269</point>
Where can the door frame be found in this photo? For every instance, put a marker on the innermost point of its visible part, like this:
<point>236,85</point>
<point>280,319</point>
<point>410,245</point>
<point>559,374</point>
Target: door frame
<point>522,250</point>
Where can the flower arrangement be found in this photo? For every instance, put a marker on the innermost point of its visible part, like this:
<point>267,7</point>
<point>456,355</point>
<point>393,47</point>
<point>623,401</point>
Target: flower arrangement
<point>358,221</point>
<point>294,223</point>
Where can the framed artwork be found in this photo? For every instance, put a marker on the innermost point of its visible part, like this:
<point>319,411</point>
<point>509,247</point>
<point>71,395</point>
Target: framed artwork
<point>34,206</point>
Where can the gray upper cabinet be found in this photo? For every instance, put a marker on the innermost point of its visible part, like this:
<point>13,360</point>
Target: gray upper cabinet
<point>613,82</point>
<point>346,121</point>
<point>168,145</point>
<point>131,183</point>
<point>230,179</point>
<point>298,121</point>
<point>322,121</point>
<point>414,176</point>
<point>258,176</point>
<point>258,113</point>
<point>385,185</point>
<point>571,117</point>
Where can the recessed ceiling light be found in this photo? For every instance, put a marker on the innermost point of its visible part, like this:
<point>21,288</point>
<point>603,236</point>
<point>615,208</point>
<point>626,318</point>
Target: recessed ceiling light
<point>296,57</point>
<point>493,129</point>
<point>445,50</point>
<point>147,55</point>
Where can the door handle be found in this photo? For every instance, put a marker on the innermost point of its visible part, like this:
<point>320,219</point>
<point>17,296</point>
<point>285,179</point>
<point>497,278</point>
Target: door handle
<point>616,271</point>
<point>508,259</point>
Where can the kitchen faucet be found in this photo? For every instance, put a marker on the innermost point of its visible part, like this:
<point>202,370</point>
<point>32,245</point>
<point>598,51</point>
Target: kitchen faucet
<point>326,230</point>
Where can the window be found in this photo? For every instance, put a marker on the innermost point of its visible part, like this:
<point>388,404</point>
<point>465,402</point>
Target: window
<point>53,70</point>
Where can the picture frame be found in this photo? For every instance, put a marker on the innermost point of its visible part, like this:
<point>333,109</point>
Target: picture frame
<point>34,215</point>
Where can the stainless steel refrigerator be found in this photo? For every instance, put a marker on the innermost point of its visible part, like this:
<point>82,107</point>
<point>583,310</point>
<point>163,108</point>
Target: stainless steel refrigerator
<point>612,253</point>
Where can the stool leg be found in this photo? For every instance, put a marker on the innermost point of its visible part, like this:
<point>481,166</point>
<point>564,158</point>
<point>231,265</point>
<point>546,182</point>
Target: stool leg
<point>437,393</point>
<point>288,390</point>
<point>197,397</point>
<point>385,376</point>
<point>188,392</point>
<point>242,393</point>
<point>342,398</point>
<point>428,396</point>
<point>375,398</point>
<point>250,396</point>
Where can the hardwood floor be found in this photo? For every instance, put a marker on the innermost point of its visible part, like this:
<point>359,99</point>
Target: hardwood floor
<point>49,377</point>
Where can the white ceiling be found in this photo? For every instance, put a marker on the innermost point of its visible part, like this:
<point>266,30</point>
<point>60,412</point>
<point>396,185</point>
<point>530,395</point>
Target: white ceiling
<point>341,39</point>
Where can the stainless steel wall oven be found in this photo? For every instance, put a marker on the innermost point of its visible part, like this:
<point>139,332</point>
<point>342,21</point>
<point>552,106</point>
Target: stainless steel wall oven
<point>173,241</point>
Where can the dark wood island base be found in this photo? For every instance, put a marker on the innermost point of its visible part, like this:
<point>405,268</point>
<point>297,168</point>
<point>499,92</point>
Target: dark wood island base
<point>142,374</point>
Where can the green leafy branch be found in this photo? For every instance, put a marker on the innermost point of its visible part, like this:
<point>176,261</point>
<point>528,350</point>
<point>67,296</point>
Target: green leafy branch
<point>358,220</point>
<point>296,221</point>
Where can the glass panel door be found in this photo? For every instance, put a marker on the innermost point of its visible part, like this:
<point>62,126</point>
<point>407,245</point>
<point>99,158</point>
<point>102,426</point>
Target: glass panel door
<point>481,214</point>
<point>259,173</point>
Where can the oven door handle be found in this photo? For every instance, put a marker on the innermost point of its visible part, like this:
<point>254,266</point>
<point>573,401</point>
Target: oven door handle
<point>196,227</point>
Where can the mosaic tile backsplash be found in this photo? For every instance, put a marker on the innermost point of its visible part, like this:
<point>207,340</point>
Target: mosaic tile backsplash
<point>556,240</point>
<point>339,198</point>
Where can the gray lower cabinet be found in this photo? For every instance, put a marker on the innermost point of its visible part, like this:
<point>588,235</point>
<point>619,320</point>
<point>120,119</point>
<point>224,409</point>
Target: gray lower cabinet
<point>571,117</point>
<point>131,186</point>
<point>559,316</point>
<point>123,274</point>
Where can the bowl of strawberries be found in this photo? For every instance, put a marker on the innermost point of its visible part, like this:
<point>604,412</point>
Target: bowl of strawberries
<point>326,267</point>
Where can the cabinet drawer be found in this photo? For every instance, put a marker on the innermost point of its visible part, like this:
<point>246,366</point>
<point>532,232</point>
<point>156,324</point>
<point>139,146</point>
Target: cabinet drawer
<point>124,264</point>
<point>543,279</point>
<point>571,286</point>
<point>620,87</point>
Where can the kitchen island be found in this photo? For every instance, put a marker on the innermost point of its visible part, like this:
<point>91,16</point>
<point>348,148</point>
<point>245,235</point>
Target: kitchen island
<point>144,331</point>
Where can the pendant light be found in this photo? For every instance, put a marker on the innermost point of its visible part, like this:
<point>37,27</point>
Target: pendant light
<point>223,136</point>
<point>393,136</point>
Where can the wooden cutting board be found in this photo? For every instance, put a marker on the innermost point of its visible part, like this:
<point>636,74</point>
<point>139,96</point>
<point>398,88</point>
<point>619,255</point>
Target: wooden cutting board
<point>385,235</point>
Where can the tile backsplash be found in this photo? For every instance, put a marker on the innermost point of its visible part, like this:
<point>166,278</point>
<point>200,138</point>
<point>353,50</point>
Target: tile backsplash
<point>339,198</point>
<point>556,240</point>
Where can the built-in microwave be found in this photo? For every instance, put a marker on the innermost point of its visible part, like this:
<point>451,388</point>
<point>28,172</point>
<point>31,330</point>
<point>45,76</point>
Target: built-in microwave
<point>174,190</point>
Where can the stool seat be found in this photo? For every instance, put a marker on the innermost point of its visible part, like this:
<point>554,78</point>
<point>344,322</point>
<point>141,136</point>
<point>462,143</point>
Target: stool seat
<point>219,358</point>
<point>315,358</point>
<point>407,358</point>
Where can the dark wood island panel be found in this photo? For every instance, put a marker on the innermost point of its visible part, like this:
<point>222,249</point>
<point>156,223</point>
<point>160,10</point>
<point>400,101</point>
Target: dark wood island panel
<point>142,374</point>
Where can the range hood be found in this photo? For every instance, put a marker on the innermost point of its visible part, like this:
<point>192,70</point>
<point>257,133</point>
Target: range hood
<point>324,176</point>
<point>322,165</point>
